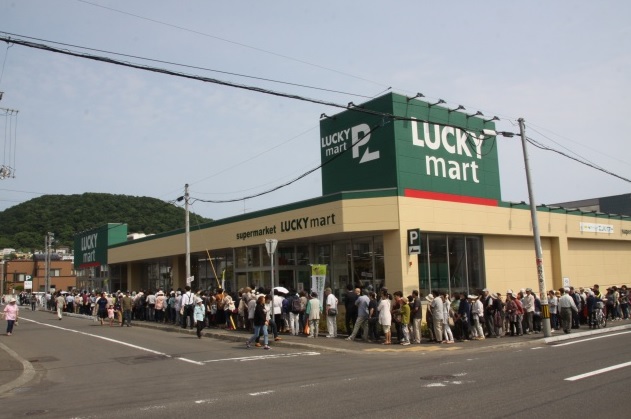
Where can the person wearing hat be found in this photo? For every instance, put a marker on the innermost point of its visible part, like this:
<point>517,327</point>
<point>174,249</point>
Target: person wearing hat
<point>198,314</point>
<point>477,313</point>
<point>512,314</point>
<point>313,314</point>
<point>126,307</point>
<point>160,306</point>
<point>553,303</point>
<point>488,301</point>
<point>528,302</point>
<point>11,315</point>
<point>429,319</point>
<point>60,304</point>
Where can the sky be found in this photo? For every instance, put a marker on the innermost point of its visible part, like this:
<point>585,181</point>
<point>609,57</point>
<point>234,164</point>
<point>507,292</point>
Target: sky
<point>88,126</point>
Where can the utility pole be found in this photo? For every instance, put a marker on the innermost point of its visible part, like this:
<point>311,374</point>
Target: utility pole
<point>545,312</point>
<point>187,230</point>
<point>270,245</point>
<point>47,245</point>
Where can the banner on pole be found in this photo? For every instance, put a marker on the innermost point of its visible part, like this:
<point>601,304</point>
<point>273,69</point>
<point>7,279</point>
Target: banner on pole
<point>318,278</point>
<point>190,280</point>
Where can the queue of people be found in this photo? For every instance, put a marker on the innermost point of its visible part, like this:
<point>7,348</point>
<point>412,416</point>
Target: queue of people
<point>369,316</point>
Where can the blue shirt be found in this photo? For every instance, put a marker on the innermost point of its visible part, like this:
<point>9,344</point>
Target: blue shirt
<point>362,306</point>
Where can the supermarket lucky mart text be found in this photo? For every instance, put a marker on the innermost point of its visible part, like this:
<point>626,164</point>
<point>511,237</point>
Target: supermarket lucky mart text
<point>292,224</point>
<point>432,137</point>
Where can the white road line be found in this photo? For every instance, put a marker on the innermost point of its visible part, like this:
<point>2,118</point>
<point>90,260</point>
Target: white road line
<point>600,371</point>
<point>585,340</point>
<point>191,361</point>
<point>107,339</point>
<point>207,401</point>
<point>259,357</point>
<point>261,393</point>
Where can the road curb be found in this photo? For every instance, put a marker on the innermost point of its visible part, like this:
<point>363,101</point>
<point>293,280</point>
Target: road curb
<point>28,372</point>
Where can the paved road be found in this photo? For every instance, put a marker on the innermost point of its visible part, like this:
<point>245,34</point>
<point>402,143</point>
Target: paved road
<point>83,370</point>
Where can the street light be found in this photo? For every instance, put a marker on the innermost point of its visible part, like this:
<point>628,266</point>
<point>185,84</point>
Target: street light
<point>545,312</point>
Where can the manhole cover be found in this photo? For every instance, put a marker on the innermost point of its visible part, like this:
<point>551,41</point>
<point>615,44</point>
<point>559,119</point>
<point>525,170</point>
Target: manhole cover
<point>133,360</point>
<point>43,359</point>
<point>35,412</point>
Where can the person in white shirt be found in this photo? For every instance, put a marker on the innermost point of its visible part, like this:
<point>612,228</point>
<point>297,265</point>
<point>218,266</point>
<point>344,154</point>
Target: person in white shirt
<point>331,313</point>
<point>477,313</point>
<point>567,307</point>
<point>437,308</point>
<point>553,302</point>
<point>188,308</point>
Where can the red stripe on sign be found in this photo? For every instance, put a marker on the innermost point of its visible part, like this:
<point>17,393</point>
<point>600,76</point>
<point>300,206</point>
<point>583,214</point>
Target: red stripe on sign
<point>89,265</point>
<point>438,196</point>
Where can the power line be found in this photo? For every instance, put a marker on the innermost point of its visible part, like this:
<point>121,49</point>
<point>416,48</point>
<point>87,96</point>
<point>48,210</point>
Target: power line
<point>350,106</point>
<point>189,66</point>
<point>571,151</point>
<point>588,164</point>
<point>305,174</point>
<point>232,42</point>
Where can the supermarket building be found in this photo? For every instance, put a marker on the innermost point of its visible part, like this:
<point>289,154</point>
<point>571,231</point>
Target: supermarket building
<point>411,200</point>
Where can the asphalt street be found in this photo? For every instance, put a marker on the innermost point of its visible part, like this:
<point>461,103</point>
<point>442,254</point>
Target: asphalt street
<point>76,368</point>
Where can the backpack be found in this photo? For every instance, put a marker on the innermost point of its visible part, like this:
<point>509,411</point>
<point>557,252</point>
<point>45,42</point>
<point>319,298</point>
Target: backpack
<point>296,305</point>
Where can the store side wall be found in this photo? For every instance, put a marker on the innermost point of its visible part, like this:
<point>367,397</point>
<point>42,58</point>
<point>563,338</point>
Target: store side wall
<point>599,262</point>
<point>511,263</point>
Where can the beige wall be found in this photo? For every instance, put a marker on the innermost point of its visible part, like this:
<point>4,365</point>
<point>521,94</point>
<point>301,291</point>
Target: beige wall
<point>594,262</point>
<point>509,250</point>
<point>511,264</point>
<point>507,235</point>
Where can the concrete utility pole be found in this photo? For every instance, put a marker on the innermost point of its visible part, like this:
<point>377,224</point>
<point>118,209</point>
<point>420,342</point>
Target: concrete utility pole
<point>545,312</point>
<point>47,245</point>
<point>187,229</point>
<point>270,245</point>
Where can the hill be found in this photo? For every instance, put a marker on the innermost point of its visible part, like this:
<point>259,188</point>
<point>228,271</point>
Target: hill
<point>24,226</point>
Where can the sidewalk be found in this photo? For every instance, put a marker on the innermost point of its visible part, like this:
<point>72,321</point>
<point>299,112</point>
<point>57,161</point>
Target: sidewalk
<point>340,344</point>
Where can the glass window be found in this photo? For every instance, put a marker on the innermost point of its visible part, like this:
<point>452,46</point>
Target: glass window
<point>241,256</point>
<point>286,278</point>
<point>362,262</point>
<point>286,255</point>
<point>341,265</point>
<point>438,263</point>
<point>266,259</point>
<point>475,263</point>
<point>323,254</point>
<point>302,255</point>
<point>254,256</point>
<point>457,264</point>
<point>380,270</point>
<point>451,264</point>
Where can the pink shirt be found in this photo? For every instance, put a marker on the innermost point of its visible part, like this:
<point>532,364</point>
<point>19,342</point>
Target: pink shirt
<point>11,311</point>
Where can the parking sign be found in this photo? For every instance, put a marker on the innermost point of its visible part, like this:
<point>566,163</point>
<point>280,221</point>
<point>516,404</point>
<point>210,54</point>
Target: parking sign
<point>414,241</point>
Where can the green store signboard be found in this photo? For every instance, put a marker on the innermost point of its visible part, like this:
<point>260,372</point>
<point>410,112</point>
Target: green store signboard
<point>90,247</point>
<point>432,153</point>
